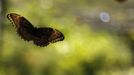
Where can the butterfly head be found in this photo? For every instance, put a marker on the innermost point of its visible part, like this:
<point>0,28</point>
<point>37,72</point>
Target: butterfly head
<point>56,36</point>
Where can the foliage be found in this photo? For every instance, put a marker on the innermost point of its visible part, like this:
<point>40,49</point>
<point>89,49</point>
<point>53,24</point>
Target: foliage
<point>91,47</point>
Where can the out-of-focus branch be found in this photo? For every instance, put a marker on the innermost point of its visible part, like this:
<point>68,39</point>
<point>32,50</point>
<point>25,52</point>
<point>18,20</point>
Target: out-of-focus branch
<point>2,17</point>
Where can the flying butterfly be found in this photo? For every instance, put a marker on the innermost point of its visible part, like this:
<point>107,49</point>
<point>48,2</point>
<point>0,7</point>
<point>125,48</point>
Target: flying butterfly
<point>40,36</point>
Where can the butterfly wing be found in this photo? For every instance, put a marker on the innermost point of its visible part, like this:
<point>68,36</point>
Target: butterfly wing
<point>43,34</point>
<point>56,35</point>
<point>24,28</point>
<point>48,35</point>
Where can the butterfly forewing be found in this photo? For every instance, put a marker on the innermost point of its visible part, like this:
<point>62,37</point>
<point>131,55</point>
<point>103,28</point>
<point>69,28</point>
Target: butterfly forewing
<point>23,27</point>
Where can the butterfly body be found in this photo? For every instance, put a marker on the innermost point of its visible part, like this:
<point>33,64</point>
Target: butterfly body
<point>40,36</point>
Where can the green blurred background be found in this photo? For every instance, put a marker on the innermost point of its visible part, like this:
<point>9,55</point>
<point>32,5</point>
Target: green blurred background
<point>99,38</point>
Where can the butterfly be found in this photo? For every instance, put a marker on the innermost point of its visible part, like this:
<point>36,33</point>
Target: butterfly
<point>42,36</point>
